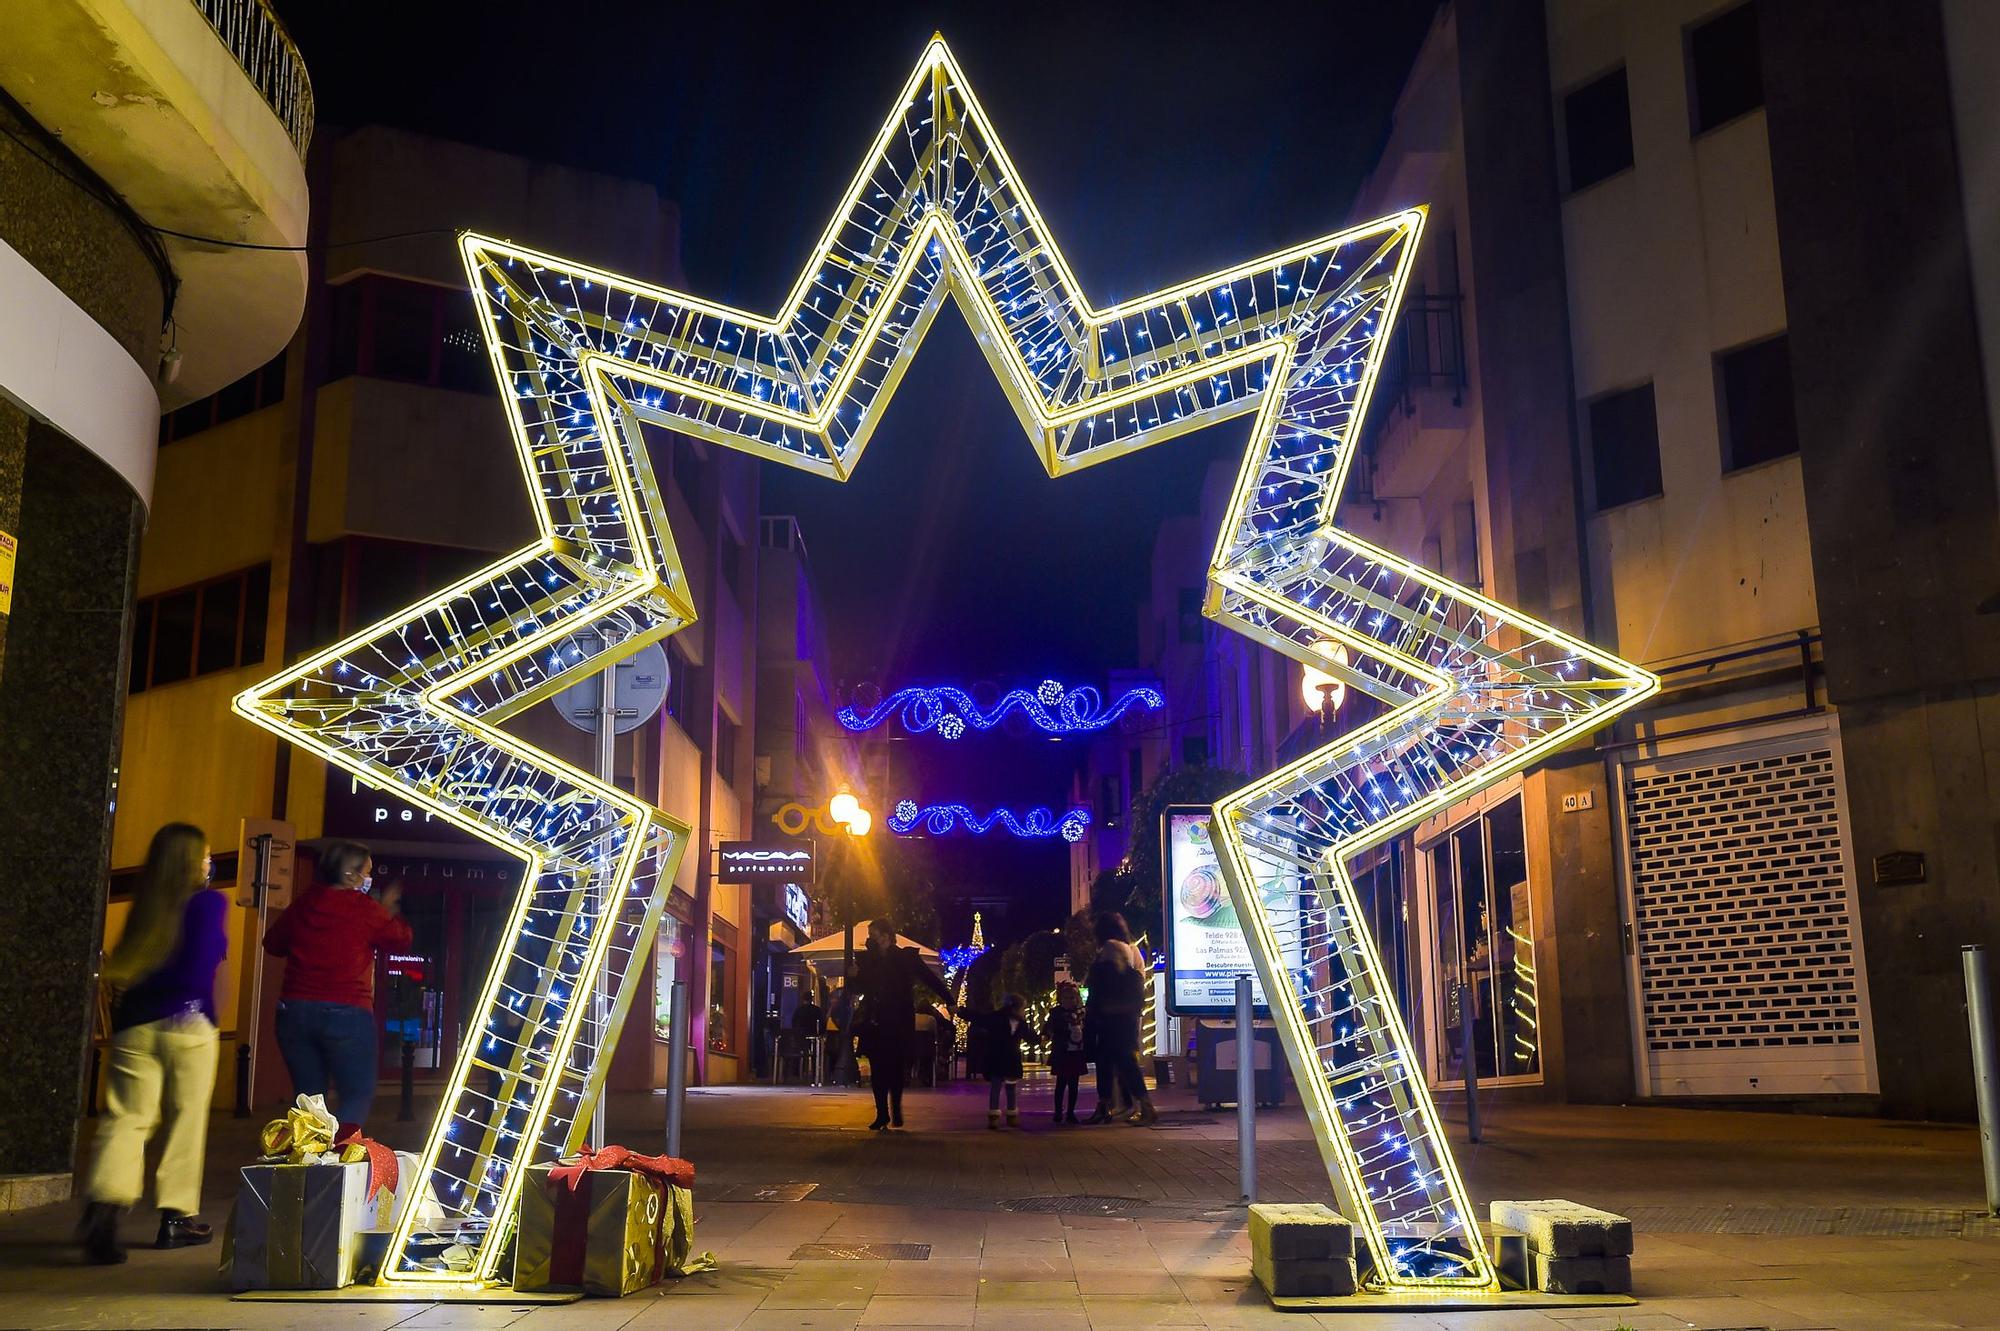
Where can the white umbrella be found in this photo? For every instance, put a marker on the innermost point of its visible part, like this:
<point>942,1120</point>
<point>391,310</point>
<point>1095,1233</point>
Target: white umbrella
<point>828,955</point>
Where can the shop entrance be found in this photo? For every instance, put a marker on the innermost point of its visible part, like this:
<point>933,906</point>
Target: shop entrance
<point>425,994</point>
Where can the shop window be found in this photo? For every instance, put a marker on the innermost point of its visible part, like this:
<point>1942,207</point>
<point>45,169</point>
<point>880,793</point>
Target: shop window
<point>1725,68</point>
<point>1597,130</point>
<point>1483,969</point>
<point>719,999</point>
<point>1753,391</point>
<point>1382,890</point>
<point>216,626</point>
<point>413,332</point>
<point>1624,447</point>
<point>670,963</point>
<point>262,387</point>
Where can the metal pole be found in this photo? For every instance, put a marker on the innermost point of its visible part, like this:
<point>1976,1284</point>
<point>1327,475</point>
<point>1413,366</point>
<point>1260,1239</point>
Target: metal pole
<point>1246,1089</point>
<point>607,772</point>
<point>248,1022</point>
<point>677,1038</point>
<point>406,1103</point>
<point>1469,1060</point>
<point>1985,1067</point>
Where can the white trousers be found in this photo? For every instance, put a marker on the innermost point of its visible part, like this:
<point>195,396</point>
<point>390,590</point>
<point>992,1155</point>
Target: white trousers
<point>166,1064</point>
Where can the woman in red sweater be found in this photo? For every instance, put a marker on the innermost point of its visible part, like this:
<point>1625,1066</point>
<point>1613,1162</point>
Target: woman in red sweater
<point>326,1009</point>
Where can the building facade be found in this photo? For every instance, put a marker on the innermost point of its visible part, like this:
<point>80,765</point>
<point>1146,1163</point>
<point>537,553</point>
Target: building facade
<point>144,148</point>
<point>1688,370</point>
<point>364,466</point>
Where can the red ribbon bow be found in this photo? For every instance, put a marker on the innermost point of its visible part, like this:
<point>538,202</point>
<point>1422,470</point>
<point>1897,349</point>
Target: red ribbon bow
<point>383,1170</point>
<point>665,1168</point>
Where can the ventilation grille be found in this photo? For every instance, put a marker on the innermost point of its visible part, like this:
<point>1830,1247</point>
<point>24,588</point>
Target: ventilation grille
<point>1745,926</point>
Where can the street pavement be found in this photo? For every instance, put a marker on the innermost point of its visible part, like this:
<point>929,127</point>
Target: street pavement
<point>1744,1220</point>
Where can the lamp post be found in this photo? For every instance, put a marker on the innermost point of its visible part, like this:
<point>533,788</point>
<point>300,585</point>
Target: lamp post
<point>846,811</point>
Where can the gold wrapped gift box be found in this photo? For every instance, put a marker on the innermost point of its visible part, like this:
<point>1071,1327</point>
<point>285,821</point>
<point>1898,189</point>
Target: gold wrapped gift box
<point>614,1233</point>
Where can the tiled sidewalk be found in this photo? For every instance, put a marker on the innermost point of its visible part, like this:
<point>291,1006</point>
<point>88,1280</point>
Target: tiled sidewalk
<point>1175,1252</point>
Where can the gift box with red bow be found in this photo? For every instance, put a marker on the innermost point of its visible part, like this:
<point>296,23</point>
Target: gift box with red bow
<point>609,1222</point>
<point>301,1209</point>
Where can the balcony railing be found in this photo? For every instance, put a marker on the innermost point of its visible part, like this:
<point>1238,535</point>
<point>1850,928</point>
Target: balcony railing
<point>1426,350</point>
<point>265,51</point>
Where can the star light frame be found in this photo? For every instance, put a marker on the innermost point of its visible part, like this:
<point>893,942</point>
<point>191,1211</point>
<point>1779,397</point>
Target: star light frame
<point>1469,691</point>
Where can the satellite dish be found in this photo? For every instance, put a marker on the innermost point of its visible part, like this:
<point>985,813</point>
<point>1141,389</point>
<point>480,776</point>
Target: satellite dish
<point>638,694</point>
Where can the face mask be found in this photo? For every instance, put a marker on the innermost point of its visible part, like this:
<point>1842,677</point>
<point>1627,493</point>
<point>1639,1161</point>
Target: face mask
<point>367,881</point>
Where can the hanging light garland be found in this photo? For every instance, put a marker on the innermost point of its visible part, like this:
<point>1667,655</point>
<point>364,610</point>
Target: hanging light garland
<point>910,819</point>
<point>947,710</point>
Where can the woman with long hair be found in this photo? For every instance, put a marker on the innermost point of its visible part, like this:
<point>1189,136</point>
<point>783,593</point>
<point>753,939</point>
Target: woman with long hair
<point>163,1046</point>
<point>326,1008</point>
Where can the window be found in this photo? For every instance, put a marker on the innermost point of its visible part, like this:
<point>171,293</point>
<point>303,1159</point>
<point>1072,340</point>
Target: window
<point>1194,750</point>
<point>1753,390</point>
<point>1135,780</point>
<point>725,747</point>
<point>388,328</point>
<point>720,1000</point>
<point>1109,805</point>
<point>1188,609</point>
<point>216,626</point>
<point>1624,447</point>
<point>1725,69</point>
<point>261,387</point>
<point>1597,126</point>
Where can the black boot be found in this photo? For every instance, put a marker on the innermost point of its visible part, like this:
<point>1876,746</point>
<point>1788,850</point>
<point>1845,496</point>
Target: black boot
<point>182,1231</point>
<point>99,1231</point>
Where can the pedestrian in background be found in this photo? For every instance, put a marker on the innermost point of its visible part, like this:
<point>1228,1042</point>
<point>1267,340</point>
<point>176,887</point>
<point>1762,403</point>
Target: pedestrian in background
<point>885,979</point>
<point>1117,1000</point>
<point>163,1046</point>
<point>326,1009</point>
<point>1068,1056</point>
<point>1004,1029</point>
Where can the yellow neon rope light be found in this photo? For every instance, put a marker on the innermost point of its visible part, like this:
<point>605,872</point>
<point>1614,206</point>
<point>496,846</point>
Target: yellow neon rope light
<point>1469,690</point>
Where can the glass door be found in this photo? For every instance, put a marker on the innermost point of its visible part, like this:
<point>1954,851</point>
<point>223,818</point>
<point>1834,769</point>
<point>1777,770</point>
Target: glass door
<point>1482,971</point>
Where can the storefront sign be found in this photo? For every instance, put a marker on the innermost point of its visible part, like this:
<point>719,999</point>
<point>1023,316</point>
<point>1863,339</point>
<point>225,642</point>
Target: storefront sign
<point>798,908</point>
<point>358,810</point>
<point>765,862</point>
<point>9,548</point>
<point>1206,949</point>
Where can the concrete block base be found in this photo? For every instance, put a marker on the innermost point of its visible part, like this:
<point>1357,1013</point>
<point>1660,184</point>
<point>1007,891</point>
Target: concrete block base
<point>1560,1228</point>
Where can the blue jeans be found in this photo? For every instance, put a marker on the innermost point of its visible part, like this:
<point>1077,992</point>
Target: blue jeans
<point>330,1046</point>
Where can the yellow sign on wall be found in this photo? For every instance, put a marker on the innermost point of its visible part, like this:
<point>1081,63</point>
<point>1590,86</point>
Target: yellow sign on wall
<point>8,548</point>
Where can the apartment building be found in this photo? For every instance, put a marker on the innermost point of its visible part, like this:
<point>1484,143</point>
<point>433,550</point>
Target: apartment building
<point>1696,363</point>
<point>364,465</point>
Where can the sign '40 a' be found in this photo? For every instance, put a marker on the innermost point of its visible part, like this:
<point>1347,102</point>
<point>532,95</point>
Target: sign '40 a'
<point>1466,690</point>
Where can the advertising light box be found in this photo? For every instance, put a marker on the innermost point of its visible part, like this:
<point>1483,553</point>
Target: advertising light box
<point>1206,949</point>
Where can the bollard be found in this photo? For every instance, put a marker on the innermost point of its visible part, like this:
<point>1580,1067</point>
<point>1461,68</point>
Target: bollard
<point>677,1038</point>
<point>1985,1067</point>
<point>1246,1089</point>
<point>406,1106</point>
<point>1469,1058</point>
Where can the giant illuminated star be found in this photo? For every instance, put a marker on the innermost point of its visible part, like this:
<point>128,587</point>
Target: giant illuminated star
<point>1466,690</point>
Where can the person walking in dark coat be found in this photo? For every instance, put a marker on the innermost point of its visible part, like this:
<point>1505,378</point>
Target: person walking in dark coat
<point>1005,1029</point>
<point>1068,1054</point>
<point>1117,1001</point>
<point>886,977</point>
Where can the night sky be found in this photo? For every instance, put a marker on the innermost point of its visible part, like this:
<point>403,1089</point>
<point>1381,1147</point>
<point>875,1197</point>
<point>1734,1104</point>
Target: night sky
<point>1160,141</point>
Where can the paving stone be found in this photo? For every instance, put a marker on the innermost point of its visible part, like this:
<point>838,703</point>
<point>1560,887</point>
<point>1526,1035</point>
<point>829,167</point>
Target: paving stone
<point>1560,1228</point>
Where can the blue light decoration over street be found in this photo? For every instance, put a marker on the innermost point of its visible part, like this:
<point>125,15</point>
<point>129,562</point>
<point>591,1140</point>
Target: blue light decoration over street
<point>941,819</point>
<point>947,710</point>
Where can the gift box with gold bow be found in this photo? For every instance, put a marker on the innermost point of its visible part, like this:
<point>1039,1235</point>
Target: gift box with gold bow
<point>608,1223</point>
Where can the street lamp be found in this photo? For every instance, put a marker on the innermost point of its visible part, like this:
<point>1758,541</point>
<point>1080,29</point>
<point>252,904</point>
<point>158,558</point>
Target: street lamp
<point>1323,693</point>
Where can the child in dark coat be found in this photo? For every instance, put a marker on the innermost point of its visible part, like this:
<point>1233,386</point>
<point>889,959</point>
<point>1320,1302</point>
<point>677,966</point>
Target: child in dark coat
<point>1004,1030</point>
<point>1068,1055</point>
